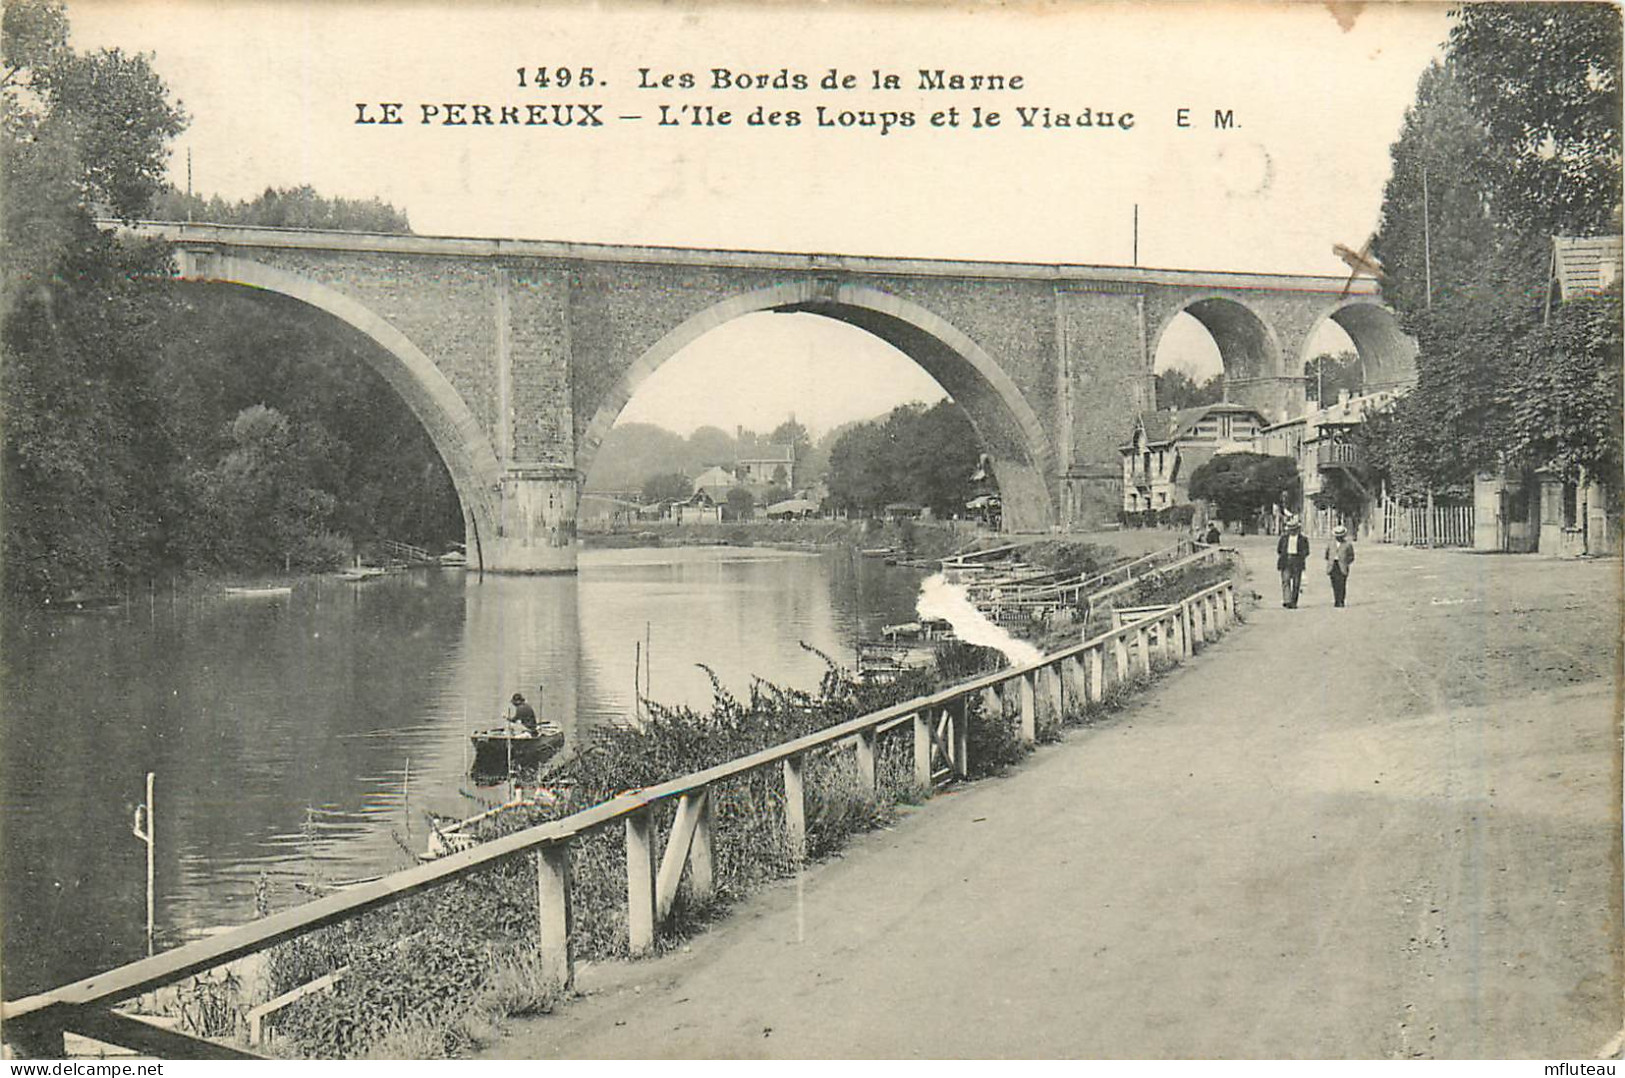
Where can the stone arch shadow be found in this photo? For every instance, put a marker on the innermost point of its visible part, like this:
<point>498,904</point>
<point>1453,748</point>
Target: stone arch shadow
<point>1387,353</point>
<point>1009,429</point>
<point>452,428</point>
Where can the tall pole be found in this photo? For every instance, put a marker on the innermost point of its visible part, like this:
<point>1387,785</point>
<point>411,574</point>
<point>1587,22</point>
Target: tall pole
<point>1136,261</point>
<point>143,830</point>
<point>1427,238</point>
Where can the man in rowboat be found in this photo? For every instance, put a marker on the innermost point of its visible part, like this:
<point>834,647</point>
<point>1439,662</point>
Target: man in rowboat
<point>523,714</point>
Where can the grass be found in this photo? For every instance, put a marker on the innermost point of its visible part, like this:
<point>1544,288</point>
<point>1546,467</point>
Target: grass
<point>438,974</point>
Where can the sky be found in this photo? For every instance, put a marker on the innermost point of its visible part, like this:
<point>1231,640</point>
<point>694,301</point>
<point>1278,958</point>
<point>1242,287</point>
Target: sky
<point>1316,93</point>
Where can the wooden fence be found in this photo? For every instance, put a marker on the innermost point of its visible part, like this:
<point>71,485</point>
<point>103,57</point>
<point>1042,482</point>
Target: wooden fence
<point>1447,525</point>
<point>1038,693</point>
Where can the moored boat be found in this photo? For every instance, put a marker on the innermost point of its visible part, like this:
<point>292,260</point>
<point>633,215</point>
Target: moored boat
<point>500,749</point>
<point>259,593</point>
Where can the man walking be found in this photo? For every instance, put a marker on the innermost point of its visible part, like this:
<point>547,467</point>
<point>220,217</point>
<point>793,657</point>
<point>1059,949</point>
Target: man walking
<point>1291,555</point>
<point>1339,557</point>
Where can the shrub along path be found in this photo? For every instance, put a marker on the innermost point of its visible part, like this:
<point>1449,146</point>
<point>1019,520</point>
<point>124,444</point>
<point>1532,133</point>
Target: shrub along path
<point>1386,830</point>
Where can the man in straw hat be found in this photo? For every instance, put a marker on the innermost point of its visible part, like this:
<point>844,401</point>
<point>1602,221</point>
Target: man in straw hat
<point>1339,556</point>
<point>1291,555</point>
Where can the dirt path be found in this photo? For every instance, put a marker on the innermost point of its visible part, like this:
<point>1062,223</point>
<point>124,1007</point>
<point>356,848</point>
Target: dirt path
<point>1388,830</point>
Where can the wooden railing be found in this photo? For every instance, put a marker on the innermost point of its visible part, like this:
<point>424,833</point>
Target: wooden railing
<point>1088,591</point>
<point>1044,587</point>
<point>938,724</point>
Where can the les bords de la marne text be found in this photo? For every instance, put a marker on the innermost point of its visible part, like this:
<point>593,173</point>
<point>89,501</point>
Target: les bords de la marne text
<point>581,97</point>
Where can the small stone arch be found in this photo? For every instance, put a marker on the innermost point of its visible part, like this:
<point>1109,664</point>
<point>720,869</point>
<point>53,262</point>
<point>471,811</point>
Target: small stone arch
<point>1387,353</point>
<point>1010,430</point>
<point>455,433</point>
<point>1247,341</point>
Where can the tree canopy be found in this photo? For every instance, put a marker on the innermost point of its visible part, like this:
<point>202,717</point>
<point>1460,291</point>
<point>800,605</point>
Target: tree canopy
<point>1514,138</point>
<point>1176,388</point>
<point>916,454</point>
<point>148,426</point>
<point>1238,485</point>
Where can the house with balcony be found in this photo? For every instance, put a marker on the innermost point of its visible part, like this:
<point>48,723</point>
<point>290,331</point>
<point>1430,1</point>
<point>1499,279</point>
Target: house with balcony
<point>1321,442</point>
<point>1165,447</point>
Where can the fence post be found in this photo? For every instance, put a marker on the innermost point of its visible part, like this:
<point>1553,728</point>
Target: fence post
<point>1074,683</point>
<point>1097,674</point>
<point>960,710</point>
<point>922,750</point>
<point>1193,612</point>
<point>640,880</point>
<point>1142,649</point>
<point>702,879</point>
<point>864,744</point>
<point>1120,657</point>
<point>795,809</point>
<point>555,914</point>
<point>1029,710</point>
<point>1054,711</point>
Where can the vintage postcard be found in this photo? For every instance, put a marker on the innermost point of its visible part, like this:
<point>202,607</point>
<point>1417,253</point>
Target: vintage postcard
<point>752,530</point>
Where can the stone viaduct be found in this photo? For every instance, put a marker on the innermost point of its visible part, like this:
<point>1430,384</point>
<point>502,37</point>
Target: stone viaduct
<point>518,355</point>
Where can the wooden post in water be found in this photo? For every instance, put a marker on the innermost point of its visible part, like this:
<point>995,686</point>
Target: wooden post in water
<point>143,830</point>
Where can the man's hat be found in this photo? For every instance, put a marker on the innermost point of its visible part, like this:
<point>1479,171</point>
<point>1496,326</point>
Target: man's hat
<point>518,697</point>
<point>1340,530</point>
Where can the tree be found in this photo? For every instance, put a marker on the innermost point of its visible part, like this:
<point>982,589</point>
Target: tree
<point>916,454</point>
<point>667,487</point>
<point>1514,138</point>
<point>83,135</point>
<point>1327,374</point>
<point>740,503</point>
<point>1238,485</point>
<point>263,506</point>
<point>1176,388</point>
<point>286,207</point>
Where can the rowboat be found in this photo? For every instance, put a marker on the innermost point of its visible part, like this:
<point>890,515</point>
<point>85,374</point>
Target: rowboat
<point>259,593</point>
<point>501,748</point>
<point>361,572</point>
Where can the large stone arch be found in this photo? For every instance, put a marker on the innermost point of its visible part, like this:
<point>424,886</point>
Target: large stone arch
<point>1387,353</point>
<point>1009,429</point>
<point>452,427</point>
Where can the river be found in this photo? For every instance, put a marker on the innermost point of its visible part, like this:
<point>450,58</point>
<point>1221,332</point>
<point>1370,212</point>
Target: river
<point>301,739</point>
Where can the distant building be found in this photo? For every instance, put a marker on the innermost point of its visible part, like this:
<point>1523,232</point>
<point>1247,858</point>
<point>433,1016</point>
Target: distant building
<point>700,508</point>
<point>1321,442</point>
<point>773,465</point>
<point>1166,447</point>
<point>716,476</point>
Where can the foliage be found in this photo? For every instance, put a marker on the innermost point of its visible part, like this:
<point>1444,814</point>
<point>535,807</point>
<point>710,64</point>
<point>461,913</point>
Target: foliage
<point>286,207</point>
<point>1177,389</point>
<point>1240,484</point>
<point>740,503</point>
<point>1327,374</point>
<point>916,454</point>
<point>120,387</point>
<point>667,487</point>
<point>1563,390</point>
<point>1514,138</point>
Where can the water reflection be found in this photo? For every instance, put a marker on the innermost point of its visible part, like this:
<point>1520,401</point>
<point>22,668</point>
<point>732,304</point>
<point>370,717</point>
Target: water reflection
<point>301,739</point>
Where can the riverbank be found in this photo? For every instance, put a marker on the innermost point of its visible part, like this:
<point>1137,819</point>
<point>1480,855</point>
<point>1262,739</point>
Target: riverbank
<point>924,540</point>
